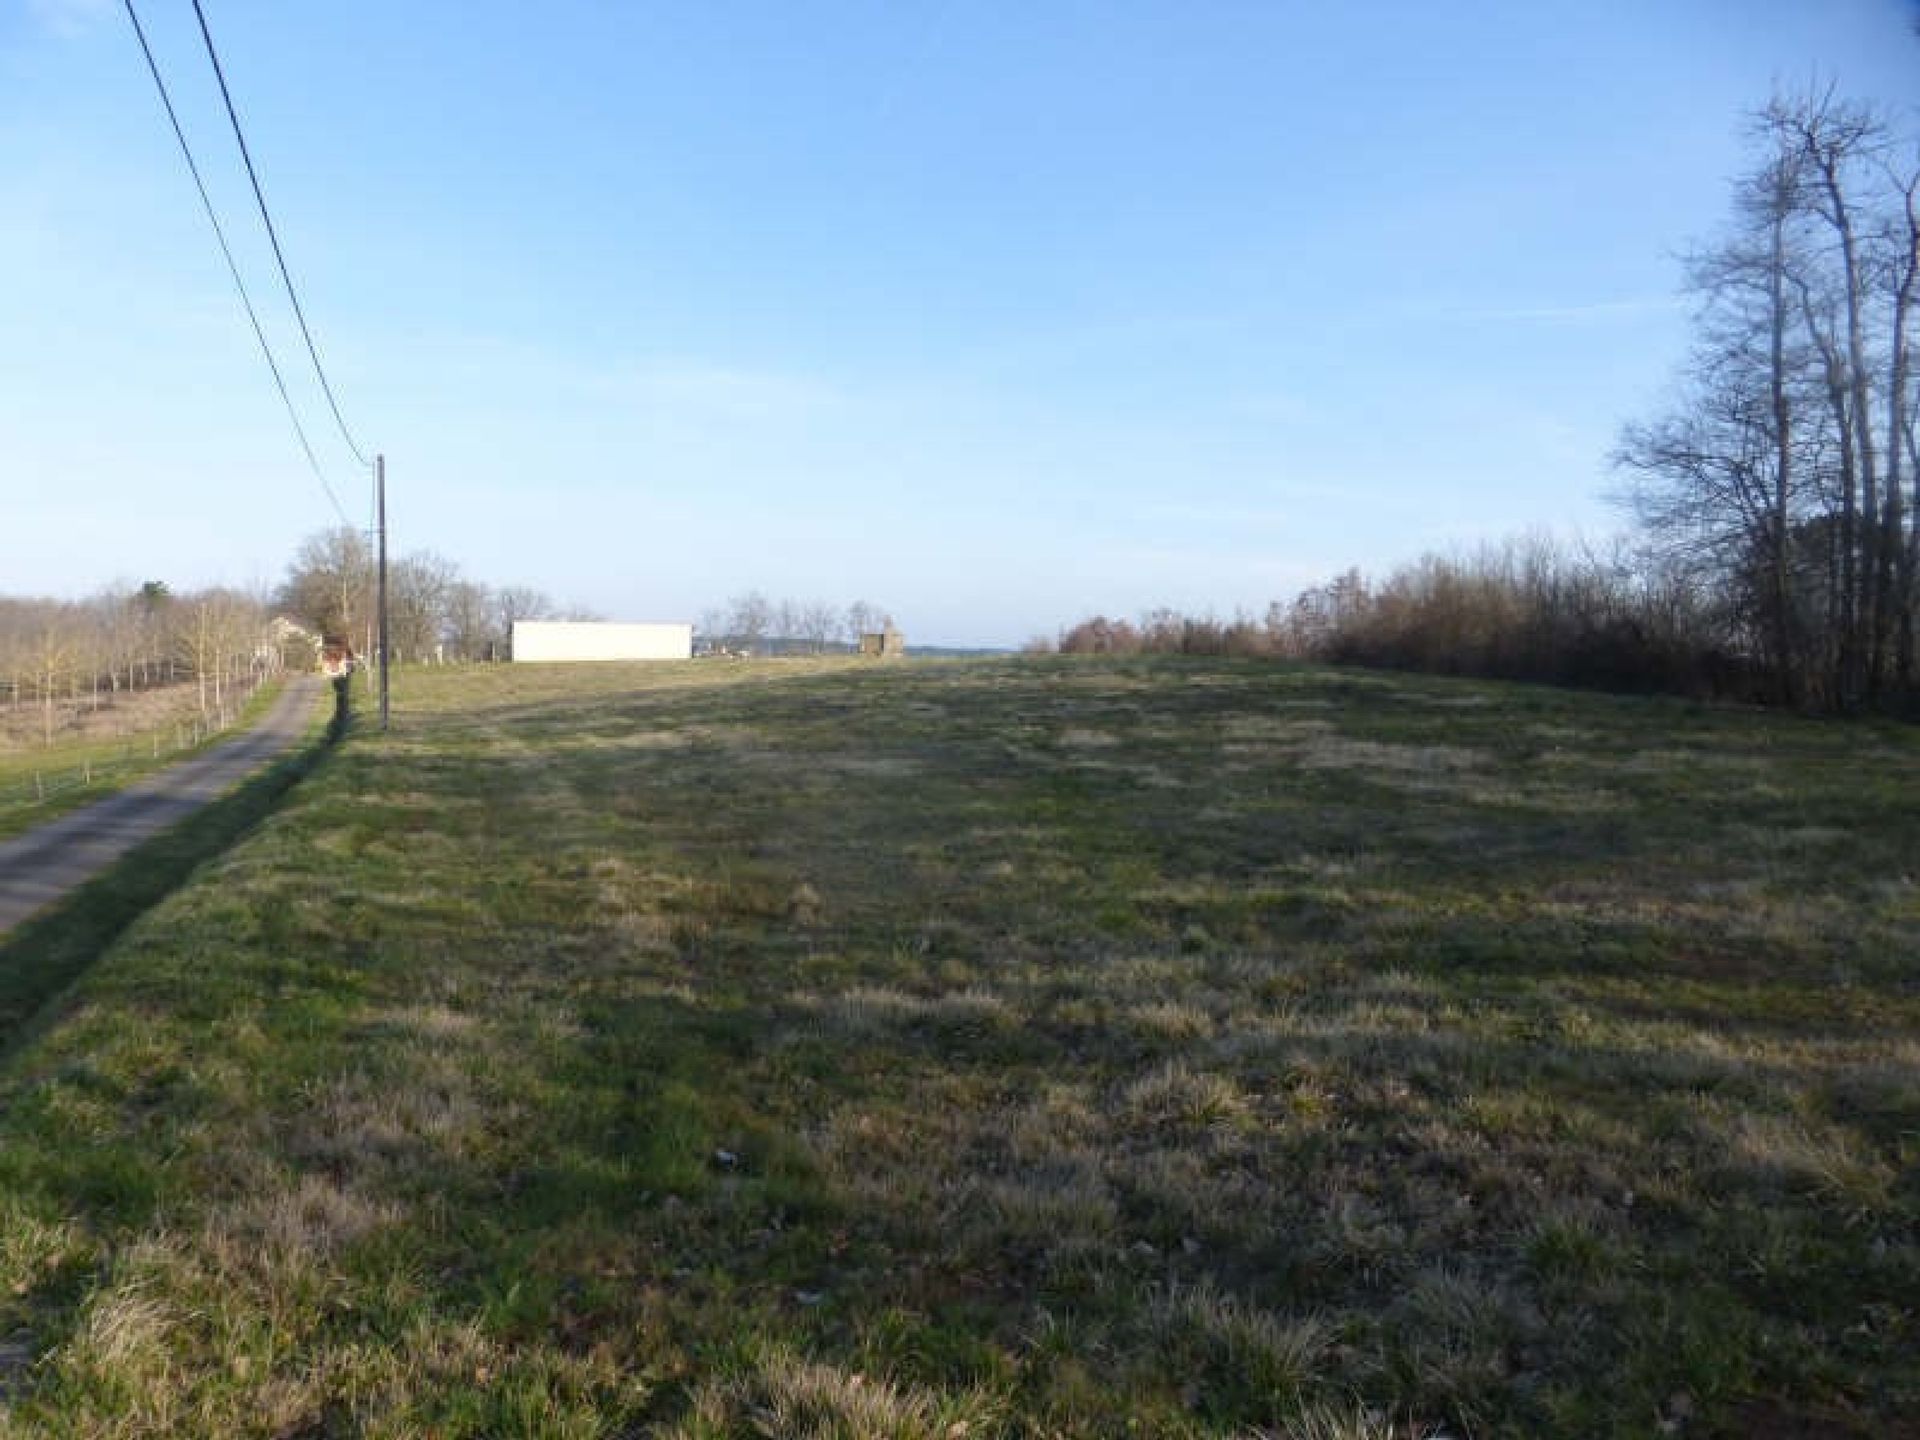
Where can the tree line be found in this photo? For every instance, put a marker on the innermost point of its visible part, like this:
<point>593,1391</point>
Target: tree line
<point>58,655</point>
<point>434,611</point>
<point>753,624</point>
<point>1528,609</point>
<point>1775,553</point>
<point>1785,471</point>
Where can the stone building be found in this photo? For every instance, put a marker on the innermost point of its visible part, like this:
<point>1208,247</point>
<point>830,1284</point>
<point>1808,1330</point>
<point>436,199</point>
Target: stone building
<point>887,644</point>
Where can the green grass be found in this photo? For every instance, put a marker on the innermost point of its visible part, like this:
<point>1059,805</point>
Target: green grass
<point>998,1049</point>
<point>38,784</point>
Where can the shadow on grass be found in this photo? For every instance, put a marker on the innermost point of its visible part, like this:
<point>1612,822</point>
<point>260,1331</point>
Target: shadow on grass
<point>48,953</point>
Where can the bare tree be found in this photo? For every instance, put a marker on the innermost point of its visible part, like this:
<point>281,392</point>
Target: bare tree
<point>817,624</point>
<point>862,619</point>
<point>418,587</point>
<point>1780,467</point>
<point>52,658</point>
<point>216,634</point>
<point>786,624</point>
<point>1903,417</point>
<point>522,602</point>
<point>328,586</point>
<point>513,603</point>
<point>749,619</point>
<point>1829,141</point>
<point>470,609</point>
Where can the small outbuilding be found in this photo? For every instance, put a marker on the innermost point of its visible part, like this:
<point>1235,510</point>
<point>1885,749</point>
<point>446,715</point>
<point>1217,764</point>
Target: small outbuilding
<point>887,644</point>
<point>337,660</point>
<point>577,640</point>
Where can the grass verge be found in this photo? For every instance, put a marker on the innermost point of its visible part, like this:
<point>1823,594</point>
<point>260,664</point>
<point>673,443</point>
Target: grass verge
<point>43,956</point>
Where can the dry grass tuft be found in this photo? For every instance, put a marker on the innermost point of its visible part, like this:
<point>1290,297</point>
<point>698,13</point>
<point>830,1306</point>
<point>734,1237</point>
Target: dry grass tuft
<point>1270,1355</point>
<point>873,1010</point>
<point>779,1394</point>
<point>1382,758</point>
<point>1331,1422</point>
<point>1177,1096</point>
<point>314,1220</point>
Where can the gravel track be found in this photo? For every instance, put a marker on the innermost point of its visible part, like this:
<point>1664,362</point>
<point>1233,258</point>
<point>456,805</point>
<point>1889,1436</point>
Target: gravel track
<point>52,860</point>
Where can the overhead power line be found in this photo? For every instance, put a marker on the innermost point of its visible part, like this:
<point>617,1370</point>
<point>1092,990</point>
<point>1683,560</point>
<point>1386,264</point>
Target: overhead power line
<point>246,300</point>
<point>273,235</point>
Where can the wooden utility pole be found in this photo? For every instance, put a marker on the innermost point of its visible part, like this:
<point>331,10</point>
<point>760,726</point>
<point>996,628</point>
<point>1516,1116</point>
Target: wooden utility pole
<point>380,491</point>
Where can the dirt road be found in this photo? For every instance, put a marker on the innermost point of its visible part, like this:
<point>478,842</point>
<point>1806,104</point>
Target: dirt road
<point>49,861</point>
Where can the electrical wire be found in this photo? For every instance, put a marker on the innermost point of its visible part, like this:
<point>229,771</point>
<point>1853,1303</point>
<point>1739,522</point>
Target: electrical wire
<point>246,300</point>
<point>273,235</point>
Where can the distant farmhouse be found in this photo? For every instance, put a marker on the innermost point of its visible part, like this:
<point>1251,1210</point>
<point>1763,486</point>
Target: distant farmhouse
<point>551,640</point>
<point>287,645</point>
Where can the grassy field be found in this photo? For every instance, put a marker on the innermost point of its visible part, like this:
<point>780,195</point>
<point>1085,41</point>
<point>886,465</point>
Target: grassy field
<point>998,1049</point>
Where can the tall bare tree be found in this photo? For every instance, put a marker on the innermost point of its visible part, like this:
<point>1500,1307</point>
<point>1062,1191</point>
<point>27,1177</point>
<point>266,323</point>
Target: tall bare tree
<point>329,584</point>
<point>818,621</point>
<point>469,625</point>
<point>53,656</point>
<point>217,635</point>
<point>750,619</point>
<point>862,619</point>
<point>1780,467</point>
<point>418,587</point>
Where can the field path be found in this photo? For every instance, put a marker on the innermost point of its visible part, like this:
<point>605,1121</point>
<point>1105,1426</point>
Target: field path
<point>51,860</point>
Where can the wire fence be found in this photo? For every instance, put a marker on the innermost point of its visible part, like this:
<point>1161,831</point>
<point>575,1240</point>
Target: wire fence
<point>109,766</point>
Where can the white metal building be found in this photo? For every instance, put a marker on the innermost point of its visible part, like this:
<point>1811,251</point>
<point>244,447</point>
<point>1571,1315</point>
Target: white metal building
<point>550,640</point>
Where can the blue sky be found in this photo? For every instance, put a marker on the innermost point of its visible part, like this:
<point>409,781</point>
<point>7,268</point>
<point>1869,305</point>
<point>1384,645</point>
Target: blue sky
<point>994,314</point>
